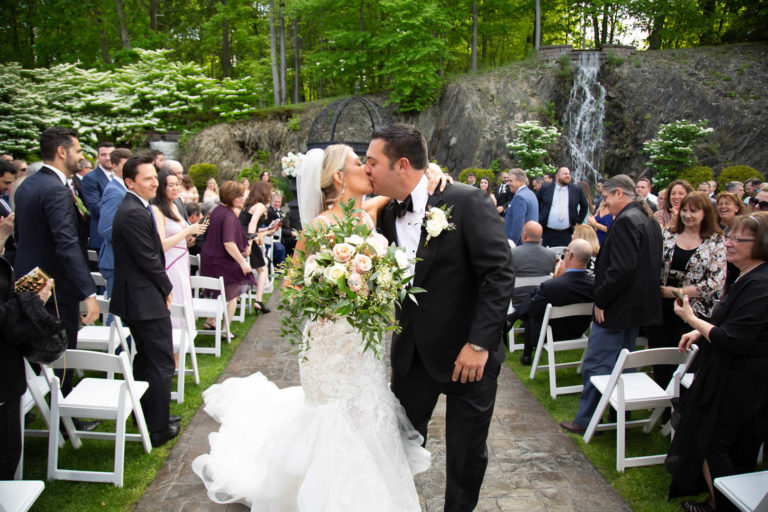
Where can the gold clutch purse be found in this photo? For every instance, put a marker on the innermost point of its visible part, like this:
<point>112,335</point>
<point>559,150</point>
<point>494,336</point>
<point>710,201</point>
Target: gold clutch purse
<point>33,281</point>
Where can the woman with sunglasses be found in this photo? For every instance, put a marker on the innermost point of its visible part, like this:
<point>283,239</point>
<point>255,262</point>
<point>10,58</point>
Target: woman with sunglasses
<point>724,414</point>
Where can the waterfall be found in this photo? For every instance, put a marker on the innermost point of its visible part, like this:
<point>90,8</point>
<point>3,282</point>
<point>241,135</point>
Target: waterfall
<point>583,119</point>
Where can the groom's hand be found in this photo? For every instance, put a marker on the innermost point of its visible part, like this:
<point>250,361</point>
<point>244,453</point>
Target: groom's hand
<point>469,365</point>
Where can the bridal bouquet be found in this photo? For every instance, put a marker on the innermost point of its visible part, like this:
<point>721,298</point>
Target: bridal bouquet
<point>346,270</point>
<point>291,163</point>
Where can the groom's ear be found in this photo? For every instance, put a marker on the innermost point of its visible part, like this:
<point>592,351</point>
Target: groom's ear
<point>402,165</point>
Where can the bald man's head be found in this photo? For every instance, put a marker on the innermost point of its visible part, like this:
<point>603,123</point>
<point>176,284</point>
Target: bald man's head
<point>532,231</point>
<point>580,252</point>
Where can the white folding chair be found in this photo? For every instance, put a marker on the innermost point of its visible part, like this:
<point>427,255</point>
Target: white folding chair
<point>19,495</point>
<point>546,342</point>
<point>748,491</point>
<point>106,399</point>
<point>522,282</point>
<point>100,282</point>
<point>210,308</point>
<point>183,344</point>
<point>93,256</point>
<point>194,261</point>
<point>635,391</point>
<point>559,250</point>
<point>269,254</point>
<point>105,338</point>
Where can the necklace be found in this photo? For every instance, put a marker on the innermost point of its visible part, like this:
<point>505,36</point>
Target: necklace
<point>748,270</point>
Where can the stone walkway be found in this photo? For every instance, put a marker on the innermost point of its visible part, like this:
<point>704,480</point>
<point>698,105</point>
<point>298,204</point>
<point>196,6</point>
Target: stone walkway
<point>533,465</point>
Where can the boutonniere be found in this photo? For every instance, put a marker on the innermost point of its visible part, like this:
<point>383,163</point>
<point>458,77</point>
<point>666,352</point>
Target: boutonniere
<point>436,221</point>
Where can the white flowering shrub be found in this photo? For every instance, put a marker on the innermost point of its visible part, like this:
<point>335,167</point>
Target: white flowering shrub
<point>153,93</point>
<point>672,151</point>
<point>531,147</point>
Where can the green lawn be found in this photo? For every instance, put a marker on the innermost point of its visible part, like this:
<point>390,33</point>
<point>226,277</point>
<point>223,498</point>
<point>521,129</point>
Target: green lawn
<point>644,488</point>
<point>140,467</point>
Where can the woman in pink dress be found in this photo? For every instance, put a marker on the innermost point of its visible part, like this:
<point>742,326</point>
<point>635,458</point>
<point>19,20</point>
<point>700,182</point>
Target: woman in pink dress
<point>175,232</point>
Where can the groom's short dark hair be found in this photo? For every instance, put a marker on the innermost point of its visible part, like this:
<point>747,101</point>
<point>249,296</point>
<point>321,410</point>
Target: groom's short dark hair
<point>403,141</point>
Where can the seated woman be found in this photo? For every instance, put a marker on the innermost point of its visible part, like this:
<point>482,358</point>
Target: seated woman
<point>723,416</point>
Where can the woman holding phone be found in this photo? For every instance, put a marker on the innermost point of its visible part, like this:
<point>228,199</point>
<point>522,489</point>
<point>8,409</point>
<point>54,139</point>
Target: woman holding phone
<point>253,212</point>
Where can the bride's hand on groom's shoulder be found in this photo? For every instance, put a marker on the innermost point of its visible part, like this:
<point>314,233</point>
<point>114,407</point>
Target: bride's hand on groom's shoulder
<point>469,365</point>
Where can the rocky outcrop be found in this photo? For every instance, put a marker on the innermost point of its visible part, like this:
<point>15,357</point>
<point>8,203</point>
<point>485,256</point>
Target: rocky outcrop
<point>477,114</point>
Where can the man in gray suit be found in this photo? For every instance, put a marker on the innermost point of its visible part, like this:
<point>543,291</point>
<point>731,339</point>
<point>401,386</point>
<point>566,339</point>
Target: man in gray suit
<point>531,259</point>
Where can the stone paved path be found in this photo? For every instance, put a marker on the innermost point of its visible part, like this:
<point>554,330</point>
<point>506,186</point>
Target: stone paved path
<point>533,465</point>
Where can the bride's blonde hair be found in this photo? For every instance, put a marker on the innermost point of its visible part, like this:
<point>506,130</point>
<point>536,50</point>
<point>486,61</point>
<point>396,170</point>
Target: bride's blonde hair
<point>334,159</point>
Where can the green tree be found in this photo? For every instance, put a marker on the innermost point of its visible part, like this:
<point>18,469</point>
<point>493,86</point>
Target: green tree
<point>673,150</point>
<point>531,147</point>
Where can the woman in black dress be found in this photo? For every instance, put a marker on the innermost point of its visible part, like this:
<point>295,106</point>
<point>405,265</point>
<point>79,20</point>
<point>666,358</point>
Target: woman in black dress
<point>724,415</point>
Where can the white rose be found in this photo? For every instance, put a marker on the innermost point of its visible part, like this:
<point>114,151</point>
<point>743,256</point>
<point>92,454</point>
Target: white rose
<point>438,215</point>
<point>402,259</point>
<point>310,267</point>
<point>343,252</point>
<point>434,227</point>
<point>379,243</point>
<point>354,240</point>
<point>335,272</point>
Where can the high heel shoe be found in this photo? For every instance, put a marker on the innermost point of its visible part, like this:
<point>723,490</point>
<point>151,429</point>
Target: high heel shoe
<point>262,307</point>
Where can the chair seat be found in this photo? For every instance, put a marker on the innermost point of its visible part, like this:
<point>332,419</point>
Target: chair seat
<point>639,389</point>
<point>203,307</point>
<point>747,491</point>
<point>19,495</point>
<point>98,398</point>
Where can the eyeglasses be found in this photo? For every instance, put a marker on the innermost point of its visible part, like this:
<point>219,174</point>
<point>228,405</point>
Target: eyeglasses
<point>760,205</point>
<point>736,240</point>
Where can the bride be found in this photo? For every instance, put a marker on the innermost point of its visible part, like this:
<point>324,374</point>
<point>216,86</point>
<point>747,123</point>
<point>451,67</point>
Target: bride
<point>340,441</point>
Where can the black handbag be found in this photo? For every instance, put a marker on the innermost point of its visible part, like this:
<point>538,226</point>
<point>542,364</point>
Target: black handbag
<point>41,336</point>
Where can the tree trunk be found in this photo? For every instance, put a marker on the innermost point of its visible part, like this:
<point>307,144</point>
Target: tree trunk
<point>226,66</point>
<point>604,28</point>
<point>473,64</point>
<point>654,35</point>
<point>273,53</point>
<point>537,27</point>
<point>282,56</point>
<point>596,29</point>
<point>296,65</point>
<point>103,41</point>
<point>153,15</point>
<point>123,27</point>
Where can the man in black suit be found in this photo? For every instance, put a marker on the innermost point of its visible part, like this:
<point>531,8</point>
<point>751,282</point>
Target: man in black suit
<point>141,295</point>
<point>503,194</point>
<point>46,233</point>
<point>562,205</point>
<point>627,295</point>
<point>575,286</point>
<point>7,176</point>
<point>450,342</point>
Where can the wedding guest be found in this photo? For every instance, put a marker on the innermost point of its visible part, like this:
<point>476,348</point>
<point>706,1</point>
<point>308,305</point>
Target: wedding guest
<point>189,192</point>
<point>113,195</point>
<point>21,168</point>
<point>722,415</point>
<point>211,192</point>
<point>674,193</point>
<point>485,186</point>
<point>643,190</point>
<point>586,233</point>
<point>598,199</point>
<point>284,247</point>
<point>254,211</point>
<point>538,181</point>
<point>735,187</point>
<point>175,233</point>
<point>531,258</point>
<point>472,179</point>
<point>693,264</point>
<point>6,156</point>
<point>503,194</point>
<point>601,221</point>
<point>158,158</point>
<point>729,205</point>
<point>245,182</point>
<point>626,291</point>
<point>523,208</point>
<point>562,205</point>
<point>265,176</point>
<point>759,203</point>
<point>751,186</point>
<point>93,186</point>
<point>226,249</point>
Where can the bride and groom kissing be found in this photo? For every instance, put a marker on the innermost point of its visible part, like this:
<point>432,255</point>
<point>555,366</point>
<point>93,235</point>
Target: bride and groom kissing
<point>345,418</point>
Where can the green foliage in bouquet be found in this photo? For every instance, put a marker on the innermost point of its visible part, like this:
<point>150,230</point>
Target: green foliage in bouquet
<point>346,270</point>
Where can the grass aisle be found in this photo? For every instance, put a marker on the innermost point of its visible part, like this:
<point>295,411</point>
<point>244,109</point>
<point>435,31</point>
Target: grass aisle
<point>140,467</point>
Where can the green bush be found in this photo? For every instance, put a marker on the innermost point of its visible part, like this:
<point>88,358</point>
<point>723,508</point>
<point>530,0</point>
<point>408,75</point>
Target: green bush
<point>479,173</point>
<point>737,173</point>
<point>200,174</point>
<point>696,174</point>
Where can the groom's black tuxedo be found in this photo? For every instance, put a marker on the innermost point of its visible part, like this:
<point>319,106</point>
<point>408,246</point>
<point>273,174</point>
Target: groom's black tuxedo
<point>469,280</point>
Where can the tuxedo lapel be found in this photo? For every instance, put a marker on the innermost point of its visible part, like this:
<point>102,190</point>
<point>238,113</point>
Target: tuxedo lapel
<point>426,250</point>
<point>386,223</point>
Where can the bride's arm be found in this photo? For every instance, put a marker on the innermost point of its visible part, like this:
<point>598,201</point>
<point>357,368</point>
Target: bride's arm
<point>374,205</point>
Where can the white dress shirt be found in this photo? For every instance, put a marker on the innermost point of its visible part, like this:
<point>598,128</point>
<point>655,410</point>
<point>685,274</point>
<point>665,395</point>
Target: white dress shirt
<point>408,227</point>
<point>558,213</point>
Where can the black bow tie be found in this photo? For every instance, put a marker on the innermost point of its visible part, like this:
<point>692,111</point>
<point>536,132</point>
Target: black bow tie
<point>403,206</point>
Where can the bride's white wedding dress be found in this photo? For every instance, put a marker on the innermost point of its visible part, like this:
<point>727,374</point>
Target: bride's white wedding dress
<point>340,442</point>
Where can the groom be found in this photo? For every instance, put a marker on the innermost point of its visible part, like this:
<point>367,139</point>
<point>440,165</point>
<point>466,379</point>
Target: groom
<point>450,341</point>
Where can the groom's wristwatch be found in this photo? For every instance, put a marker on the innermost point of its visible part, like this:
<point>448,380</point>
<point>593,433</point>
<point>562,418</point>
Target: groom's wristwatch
<point>477,348</point>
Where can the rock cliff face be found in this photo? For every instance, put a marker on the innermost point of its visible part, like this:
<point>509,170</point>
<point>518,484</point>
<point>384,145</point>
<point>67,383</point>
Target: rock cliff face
<point>477,114</point>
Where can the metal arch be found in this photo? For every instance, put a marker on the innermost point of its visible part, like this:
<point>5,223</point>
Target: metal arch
<point>373,109</point>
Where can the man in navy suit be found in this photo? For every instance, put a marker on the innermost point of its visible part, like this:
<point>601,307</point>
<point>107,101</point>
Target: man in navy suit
<point>93,186</point>
<point>575,286</point>
<point>110,201</point>
<point>141,295</point>
<point>46,232</point>
<point>524,206</point>
<point>562,205</point>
